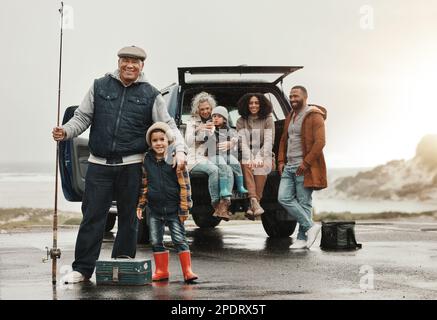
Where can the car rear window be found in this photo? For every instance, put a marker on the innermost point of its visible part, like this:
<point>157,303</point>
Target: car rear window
<point>228,97</point>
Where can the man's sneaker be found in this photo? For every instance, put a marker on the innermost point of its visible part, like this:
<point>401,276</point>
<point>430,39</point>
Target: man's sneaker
<point>73,277</point>
<point>299,244</point>
<point>312,234</point>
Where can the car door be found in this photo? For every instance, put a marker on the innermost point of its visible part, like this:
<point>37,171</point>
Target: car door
<point>73,163</point>
<point>170,95</point>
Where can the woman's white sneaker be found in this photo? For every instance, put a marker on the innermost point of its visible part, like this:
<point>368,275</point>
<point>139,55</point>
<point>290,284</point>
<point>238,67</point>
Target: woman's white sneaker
<point>312,234</point>
<point>73,277</point>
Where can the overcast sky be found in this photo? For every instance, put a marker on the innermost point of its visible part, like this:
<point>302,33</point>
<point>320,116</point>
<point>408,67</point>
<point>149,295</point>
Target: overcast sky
<point>372,64</point>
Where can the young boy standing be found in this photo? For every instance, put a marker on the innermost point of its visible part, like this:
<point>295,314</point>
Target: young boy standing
<point>167,193</point>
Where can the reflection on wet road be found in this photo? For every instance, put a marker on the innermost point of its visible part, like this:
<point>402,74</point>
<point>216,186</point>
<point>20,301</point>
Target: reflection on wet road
<point>238,261</point>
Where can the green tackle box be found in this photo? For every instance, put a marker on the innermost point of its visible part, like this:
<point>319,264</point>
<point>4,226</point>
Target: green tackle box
<point>124,272</point>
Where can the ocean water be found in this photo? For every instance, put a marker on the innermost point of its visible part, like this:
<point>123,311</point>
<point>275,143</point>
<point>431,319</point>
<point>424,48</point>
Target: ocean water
<point>33,190</point>
<point>322,203</point>
<point>36,190</point>
<point>371,206</point>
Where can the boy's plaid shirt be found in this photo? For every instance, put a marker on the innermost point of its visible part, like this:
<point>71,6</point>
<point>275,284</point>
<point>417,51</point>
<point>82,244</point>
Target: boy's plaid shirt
<point>185,204</point>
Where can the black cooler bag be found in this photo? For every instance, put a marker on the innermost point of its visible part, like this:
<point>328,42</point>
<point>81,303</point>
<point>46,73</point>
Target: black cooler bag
<point>339,235</point>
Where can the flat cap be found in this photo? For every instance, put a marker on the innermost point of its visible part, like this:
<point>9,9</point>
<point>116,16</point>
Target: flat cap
<point>132,52</point>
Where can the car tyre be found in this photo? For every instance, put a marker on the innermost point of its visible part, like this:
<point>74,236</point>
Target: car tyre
<point>202,216</point>
<point>274,227</point>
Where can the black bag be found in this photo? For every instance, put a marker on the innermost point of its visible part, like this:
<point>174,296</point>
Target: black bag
<point>339,235</point>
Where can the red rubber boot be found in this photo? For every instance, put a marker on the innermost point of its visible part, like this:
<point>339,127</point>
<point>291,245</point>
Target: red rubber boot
<point>161,266</point>
<point>185,258</point>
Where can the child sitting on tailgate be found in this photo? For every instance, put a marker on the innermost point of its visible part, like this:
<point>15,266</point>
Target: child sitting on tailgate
<point>220,143</point>
<point>167,193</point>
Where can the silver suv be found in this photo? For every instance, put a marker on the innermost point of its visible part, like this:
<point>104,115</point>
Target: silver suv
<point>227,84</point>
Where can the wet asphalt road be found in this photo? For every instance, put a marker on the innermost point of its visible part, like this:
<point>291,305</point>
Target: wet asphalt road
<point>238,261</point>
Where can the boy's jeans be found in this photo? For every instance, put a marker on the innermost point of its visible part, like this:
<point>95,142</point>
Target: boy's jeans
<point>157,224</point>
<point>212,171</point>
<point>296,199</point>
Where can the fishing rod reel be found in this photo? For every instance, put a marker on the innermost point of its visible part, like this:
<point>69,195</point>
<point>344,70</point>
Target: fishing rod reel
<point>52,254</point>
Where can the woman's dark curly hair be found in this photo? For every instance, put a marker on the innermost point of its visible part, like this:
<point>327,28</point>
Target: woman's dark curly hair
<point>265,106</point>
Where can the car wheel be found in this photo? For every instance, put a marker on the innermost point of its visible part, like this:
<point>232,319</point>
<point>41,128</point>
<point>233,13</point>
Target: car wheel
<point>110,220</point>
<point>202,216</point>
<point>274,227</point>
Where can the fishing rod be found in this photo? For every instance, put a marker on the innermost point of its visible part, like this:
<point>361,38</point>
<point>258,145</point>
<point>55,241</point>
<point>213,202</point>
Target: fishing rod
<point>55,252</point>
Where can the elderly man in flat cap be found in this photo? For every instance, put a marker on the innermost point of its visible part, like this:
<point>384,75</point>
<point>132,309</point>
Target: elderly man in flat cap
<point>119,107</point>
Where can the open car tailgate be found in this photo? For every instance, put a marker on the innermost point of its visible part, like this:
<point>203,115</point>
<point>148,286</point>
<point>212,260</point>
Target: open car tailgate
<point>283,71</point>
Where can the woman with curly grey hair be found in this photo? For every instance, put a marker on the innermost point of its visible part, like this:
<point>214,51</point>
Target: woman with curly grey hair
<point>199,128</point>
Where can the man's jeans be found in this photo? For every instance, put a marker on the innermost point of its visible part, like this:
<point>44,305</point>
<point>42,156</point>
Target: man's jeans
<point>296,199</point>
<point>101,183</point>
<point>212,171</point>
<point>157,224</point>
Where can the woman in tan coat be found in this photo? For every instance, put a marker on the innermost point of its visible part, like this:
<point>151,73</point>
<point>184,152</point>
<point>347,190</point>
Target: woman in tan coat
<point>256,130</point>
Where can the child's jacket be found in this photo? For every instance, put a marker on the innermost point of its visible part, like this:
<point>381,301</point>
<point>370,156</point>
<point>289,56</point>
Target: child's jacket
<point>219,136</point>
<point>164,189</point>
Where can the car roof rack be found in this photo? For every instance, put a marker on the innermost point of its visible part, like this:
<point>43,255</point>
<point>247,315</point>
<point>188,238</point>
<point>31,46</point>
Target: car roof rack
<point>242,69</point>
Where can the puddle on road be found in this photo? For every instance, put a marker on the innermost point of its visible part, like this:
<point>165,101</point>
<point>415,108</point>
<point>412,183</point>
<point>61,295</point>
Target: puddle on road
<point>245,237</point>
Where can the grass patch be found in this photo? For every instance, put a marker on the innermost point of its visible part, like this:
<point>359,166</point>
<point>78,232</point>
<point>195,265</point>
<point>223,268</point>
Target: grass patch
<point>12,218</point>
<point>348,216</point>
<point>73,221</point>
<point>334,216</point>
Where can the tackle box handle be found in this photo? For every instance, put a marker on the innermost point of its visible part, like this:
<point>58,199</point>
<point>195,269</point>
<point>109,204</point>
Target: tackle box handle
<point>124,257</point>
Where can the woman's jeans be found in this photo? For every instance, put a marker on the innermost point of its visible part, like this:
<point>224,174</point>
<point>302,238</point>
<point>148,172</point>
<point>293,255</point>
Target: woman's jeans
<point>157,224</point>
<point>296,199</point>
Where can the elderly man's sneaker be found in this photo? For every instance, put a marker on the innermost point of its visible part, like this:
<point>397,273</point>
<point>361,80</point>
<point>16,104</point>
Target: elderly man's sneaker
<point>73,277</point>
<point>312,234</point>
<point>299,244</point>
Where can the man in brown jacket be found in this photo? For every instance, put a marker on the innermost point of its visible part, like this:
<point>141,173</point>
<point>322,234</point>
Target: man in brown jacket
<point>301,163</point>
